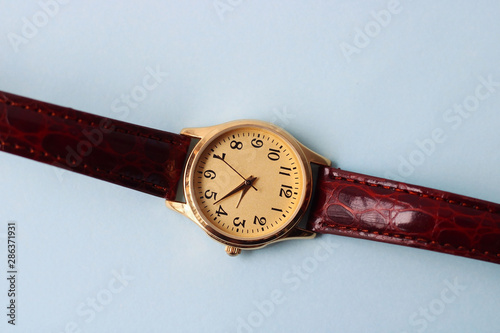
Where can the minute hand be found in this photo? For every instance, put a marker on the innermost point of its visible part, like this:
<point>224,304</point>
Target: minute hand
<point>223,159</point>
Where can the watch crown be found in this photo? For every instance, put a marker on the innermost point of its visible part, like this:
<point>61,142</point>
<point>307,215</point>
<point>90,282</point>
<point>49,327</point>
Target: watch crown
<point>233,251</point>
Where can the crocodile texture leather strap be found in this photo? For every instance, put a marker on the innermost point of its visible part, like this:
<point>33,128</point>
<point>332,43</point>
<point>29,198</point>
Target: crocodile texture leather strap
<point>137,157</point>
<point>356,205</point>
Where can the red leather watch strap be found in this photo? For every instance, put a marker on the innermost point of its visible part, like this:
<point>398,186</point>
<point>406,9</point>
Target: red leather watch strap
<point>137,157</point>
<point>356,205</point>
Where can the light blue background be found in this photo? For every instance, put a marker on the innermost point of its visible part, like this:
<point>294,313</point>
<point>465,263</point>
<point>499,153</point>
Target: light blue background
<point>258,59</point>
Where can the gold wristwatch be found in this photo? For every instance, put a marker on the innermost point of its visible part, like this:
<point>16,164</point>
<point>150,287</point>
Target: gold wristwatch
<point>249,183</point>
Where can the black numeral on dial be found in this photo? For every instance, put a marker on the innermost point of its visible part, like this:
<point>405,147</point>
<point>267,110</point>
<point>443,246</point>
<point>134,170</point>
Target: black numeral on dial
<point>261,221</point>
<point>256,143</point>
<point>210,174</point>
<point>286,191</point>
<point>236,144</point>
<point>283,169</point>
<point>238,223</point>
<point>273,154</point>
<point>220,211</point>
<point>220,157</point>
<point>209,195</point>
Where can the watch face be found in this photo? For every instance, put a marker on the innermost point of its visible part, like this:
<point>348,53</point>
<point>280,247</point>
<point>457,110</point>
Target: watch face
<point>248,182</point>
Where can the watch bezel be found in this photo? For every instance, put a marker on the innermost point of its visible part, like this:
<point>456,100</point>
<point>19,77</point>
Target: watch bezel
<point>207,136</point>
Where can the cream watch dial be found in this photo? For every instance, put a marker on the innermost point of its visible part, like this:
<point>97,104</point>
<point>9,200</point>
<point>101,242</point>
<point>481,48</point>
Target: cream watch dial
<point>248,183</point>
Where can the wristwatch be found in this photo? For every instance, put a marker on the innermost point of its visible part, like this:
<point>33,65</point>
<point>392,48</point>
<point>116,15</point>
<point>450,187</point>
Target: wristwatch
<point>249,183</point>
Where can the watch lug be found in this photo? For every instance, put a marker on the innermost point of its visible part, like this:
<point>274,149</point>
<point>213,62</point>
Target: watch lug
<point>314,157</point>
<point>197,132</point>
<point>182,208</point>
<point>299,233</point>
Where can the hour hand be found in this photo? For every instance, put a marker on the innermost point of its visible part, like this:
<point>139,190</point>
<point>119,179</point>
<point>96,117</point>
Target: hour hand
<point>243,186</point>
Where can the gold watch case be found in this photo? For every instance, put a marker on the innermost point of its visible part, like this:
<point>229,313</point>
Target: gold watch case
<point>234,243</point>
